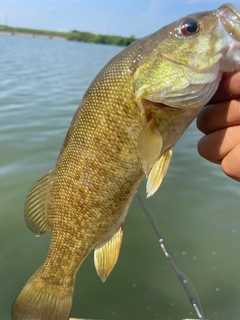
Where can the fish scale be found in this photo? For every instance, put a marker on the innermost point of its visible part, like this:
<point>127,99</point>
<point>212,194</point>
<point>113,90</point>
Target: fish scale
<point>125,128</point>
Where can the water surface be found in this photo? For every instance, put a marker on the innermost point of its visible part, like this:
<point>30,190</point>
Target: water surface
<point>196,208</point>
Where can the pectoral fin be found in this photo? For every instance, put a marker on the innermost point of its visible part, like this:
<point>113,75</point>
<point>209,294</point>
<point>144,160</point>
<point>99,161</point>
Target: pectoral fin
<point>35,207</point>
<point>149,145</point>
<point>158,172</point>
<point>106,256</point>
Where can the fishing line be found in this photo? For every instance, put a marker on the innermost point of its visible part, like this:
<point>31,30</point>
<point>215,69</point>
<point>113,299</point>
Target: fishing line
<point>194,291</point>
<point>168,255</point>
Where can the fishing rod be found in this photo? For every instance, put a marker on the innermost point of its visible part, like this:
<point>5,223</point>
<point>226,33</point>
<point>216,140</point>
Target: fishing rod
<point>168,255</point>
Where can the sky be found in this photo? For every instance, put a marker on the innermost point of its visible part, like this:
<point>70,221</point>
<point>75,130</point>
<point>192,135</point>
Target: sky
<point>117,17</point>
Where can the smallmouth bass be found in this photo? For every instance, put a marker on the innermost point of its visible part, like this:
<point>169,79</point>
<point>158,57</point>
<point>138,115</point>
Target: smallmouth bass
<point>125,128</point>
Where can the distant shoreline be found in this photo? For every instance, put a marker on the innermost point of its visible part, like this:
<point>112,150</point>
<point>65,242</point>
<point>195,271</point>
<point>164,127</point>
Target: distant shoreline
<point>31,35</point>
<point>74,35</point>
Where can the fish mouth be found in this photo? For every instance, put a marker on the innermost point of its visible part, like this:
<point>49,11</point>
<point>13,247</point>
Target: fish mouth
<point>230,18</point>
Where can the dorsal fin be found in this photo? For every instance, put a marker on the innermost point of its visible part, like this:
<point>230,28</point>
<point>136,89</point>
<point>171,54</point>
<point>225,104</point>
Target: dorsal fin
<point>149,145</point>
<point>158,172</point>
<point>35,206</point>
<point>106,256</point>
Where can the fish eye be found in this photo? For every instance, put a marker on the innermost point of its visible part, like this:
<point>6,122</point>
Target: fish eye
<point>189,27</point>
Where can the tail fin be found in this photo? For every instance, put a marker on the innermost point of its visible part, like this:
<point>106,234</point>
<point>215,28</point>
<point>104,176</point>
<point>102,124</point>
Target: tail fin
<point>40,300</point>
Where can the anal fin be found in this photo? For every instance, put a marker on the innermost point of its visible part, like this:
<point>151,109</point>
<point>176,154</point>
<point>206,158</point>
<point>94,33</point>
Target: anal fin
<point>35,206</point>
<point>158,172</point>
<point>106,256</point>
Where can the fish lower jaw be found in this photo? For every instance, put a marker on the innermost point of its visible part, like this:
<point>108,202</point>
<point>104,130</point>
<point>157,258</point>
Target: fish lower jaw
<point>232,61</point>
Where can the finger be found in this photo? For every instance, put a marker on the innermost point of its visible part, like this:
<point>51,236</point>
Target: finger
<point>217,116</point>
<point>231,163</point>
<point>216,145</point>
<point>229,87</point>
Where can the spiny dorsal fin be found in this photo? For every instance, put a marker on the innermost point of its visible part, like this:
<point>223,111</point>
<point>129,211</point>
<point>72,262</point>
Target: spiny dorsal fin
<point>158,172</point>
<point>106,256</point>
<point>149,145</point>
<point>35,207</point>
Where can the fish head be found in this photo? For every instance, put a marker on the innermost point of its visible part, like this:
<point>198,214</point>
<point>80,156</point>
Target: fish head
<point>179,70</point>
<point>182,64</point>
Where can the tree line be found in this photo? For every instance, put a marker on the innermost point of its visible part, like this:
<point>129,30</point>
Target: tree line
<point>75,35</point>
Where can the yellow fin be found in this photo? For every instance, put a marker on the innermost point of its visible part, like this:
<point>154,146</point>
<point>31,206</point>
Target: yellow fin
<point>41,299</point>
<point>158,172</point>
<point>149,145</point>
<point>35,207</point>
<point>106,256</point>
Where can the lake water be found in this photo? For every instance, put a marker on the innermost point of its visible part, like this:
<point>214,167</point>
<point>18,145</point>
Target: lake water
<point>196,208</point>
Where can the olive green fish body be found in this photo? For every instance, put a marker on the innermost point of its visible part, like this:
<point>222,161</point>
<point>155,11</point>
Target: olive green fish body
<point>87,195</point>
<point>125,128</point>
<point>99,167</point>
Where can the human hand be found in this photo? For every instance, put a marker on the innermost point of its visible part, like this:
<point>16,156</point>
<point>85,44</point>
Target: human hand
<point>220,122</point>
